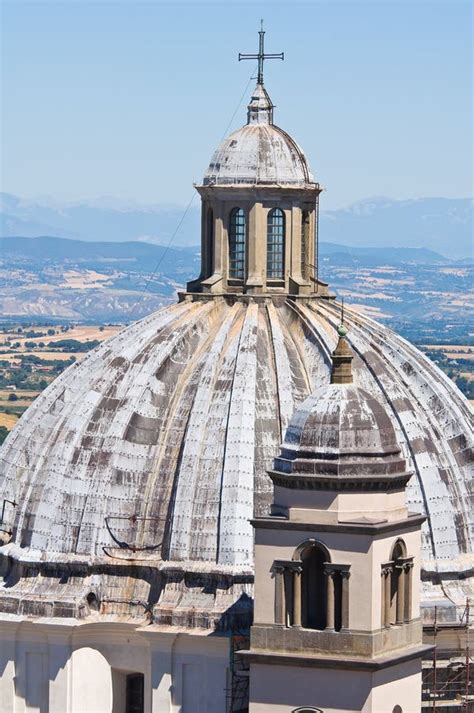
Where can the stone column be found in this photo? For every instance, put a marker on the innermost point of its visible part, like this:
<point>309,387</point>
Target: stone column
<point>279,595</point>
<point>400,615</point>
<point>256,249</point>
<point>330,599</point>
<point>297,596</point>
<point>386,574</point>
<point>204,241</point>
<point>408,590</point>
<point>220,240</point>
<point>296,235</point>
<point>345,574</point>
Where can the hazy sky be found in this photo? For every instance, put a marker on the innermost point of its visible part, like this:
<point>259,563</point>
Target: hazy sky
<point>129,99</point>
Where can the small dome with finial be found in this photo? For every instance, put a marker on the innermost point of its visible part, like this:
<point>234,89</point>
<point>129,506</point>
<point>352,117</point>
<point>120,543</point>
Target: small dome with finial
<point>259,153</point>
<point>341,430</point>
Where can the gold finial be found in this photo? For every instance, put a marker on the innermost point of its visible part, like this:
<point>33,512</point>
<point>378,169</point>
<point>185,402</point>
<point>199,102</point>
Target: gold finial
<point>342,356</point>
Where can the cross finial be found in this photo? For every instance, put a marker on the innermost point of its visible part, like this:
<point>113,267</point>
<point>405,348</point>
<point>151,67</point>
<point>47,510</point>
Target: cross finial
<point>261,56</point>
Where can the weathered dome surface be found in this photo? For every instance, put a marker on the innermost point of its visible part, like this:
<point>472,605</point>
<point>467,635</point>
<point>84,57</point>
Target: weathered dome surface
<point>341,430</point>
<point>259,152</point>
<point>155,446</point>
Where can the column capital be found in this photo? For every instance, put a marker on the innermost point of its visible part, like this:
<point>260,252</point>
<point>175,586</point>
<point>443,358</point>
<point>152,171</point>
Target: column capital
<point>342,569</point>
<point>288,565</point>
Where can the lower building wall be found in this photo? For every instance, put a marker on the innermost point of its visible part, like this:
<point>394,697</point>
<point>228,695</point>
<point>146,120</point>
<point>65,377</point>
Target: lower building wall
<point>286,689</point>
<point>57,668</point>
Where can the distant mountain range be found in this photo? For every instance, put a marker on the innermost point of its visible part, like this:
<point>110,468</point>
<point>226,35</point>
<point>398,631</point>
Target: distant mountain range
<point>146,257</point>
<point>66,279</point>
<point>443,225</point>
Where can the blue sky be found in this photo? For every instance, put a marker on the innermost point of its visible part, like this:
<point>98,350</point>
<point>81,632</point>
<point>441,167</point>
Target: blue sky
<point>129,99</point>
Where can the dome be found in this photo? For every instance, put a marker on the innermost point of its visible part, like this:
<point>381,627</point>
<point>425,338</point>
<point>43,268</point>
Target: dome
<point>259,152</point>
<point>341,431</point>
<point>154,449</point>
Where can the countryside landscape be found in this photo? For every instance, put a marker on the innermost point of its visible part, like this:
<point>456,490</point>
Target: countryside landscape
<point>61,294</point>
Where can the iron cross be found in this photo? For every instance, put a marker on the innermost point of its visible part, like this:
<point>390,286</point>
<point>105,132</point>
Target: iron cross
<point>261,56</point>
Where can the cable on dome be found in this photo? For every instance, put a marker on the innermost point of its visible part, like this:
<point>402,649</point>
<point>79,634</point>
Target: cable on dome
<point>251,78</point>
<point>186,210</point>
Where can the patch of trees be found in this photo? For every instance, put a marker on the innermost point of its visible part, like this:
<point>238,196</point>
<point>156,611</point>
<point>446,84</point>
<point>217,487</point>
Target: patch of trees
<point>73,345</point>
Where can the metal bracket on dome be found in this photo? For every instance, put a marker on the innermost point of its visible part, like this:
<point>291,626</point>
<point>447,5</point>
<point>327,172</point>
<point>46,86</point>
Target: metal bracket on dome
<point>125,545</point>
<point>315,277</point>
<point>11,502</point>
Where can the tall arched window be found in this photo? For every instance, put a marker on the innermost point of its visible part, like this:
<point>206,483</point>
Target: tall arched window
<point>237,239</point>
<point>275,244</point>
<point>310,590</point>
<point>304,244</point>
<point>396,586</point>
<point>313,588</point>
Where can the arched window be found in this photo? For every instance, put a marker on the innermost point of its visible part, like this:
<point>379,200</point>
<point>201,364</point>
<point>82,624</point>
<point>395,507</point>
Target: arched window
<point>275,244</point>
<point>313,588</point>
<point>305,244</point>
<point>310,590</point>
<point>237,240</point>
<point>396,590</point>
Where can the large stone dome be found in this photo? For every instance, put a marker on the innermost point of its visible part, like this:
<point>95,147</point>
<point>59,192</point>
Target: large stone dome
<point>259,153</point>
<point>154,448</point>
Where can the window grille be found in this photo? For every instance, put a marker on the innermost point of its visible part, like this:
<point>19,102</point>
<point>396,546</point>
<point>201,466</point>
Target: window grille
<point>237,240</point>
<point>275,244</point>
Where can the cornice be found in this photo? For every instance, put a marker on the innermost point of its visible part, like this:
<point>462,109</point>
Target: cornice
<point>333,662</point>
<point>351,527</point>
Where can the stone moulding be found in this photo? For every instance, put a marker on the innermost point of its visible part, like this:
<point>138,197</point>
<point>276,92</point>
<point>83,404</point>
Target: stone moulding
<point>365,644</point>
<point>336,481</point>
<point>167,593</point>
<point>340,662</point>
<point>354,527</point>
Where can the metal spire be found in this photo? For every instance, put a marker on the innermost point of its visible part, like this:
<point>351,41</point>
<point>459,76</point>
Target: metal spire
<point>261,56</point>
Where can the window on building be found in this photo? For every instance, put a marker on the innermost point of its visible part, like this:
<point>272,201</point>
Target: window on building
<point>237,241</point>
<point>310,591</point>
<point>305,270</point>
<point>396,586</point>
<point>134,693</point>
<point>313,588</point>
<point>275,244</point>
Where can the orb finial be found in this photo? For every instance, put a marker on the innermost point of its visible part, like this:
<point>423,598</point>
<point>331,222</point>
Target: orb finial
<point>341,330</point>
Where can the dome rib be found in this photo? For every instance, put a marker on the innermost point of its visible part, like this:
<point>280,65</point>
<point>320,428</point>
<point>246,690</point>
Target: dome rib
<point>68,464</point>
<point>190,466</point>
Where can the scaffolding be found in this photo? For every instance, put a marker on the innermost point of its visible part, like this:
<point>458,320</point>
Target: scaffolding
<point>238,684</point>
<point>447,675</point>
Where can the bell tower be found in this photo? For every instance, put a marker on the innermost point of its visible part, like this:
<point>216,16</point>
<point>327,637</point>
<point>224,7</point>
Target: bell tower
<point>337,563</point>
<point>259,208</point>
